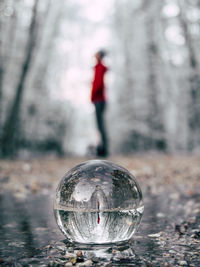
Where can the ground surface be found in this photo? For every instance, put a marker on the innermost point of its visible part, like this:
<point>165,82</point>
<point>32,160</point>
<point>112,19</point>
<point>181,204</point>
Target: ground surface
<point>169,234</point>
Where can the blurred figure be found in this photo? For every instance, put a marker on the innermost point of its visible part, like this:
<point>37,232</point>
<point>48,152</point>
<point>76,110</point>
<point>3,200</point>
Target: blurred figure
<point>99,100</point>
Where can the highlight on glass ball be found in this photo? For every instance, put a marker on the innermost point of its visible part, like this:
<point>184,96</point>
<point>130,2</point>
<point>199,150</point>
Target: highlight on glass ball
<point>98,202</point>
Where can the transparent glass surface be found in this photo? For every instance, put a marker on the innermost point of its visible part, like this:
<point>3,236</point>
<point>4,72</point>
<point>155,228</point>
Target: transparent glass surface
<point>98,202</point>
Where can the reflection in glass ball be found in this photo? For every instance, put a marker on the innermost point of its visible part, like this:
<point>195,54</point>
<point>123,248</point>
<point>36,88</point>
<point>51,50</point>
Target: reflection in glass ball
<point>98,202</point>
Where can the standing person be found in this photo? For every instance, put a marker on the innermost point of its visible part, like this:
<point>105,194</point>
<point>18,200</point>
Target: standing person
<point>99,100</point>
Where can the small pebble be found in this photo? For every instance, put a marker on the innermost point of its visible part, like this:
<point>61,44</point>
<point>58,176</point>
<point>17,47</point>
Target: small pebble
<point>109,264</point>
<point>196,235</point>
<point>160,215</point>
<point>70,249</point>
<point>26,167</point>
<point>69,255</point>
<point>79,253</point>
<point>88,263</point>
<point>73,260</point>
<point>95,259</point>
<point>166,255</point>
<point>48,247</point>
<point>62,248</point>
<point>155,235</point>
<point>114,251</point>
<point>182,263</point>
<point>83,264</point>
<point>53,264</point>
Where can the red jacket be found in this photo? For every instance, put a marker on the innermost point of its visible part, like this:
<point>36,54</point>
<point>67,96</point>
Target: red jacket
<point>98,87</point>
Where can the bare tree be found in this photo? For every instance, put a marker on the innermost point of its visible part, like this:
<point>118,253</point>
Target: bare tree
<point>194,81</point>
<point>11,128</point>
<point>155,120</point>
<point>1,69</point>
<point>140,112</point>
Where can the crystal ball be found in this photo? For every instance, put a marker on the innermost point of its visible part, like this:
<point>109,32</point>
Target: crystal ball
<point>98,202</point>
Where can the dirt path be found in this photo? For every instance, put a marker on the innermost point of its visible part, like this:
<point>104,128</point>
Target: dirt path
<point>169,234</point>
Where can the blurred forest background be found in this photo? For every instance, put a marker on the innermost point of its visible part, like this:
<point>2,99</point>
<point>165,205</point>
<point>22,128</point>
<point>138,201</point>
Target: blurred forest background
<point>46,68</point>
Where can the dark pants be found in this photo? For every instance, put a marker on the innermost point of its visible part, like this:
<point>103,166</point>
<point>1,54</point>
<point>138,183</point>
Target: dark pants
<point>100,108</point>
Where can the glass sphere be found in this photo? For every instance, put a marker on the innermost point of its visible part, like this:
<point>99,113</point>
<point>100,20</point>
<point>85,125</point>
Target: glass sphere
<point>98,202</point>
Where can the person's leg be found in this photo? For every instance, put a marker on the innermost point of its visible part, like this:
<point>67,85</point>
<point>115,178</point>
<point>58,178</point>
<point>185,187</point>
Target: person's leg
<point>100,108</point>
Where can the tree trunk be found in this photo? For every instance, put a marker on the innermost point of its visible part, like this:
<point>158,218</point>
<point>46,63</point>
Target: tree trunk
<point>155,119</point>
<point>194,80</point>
<point>11,129</point>
<point>1,84</point>
<point>7,33</point>
<point>1,78</point>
